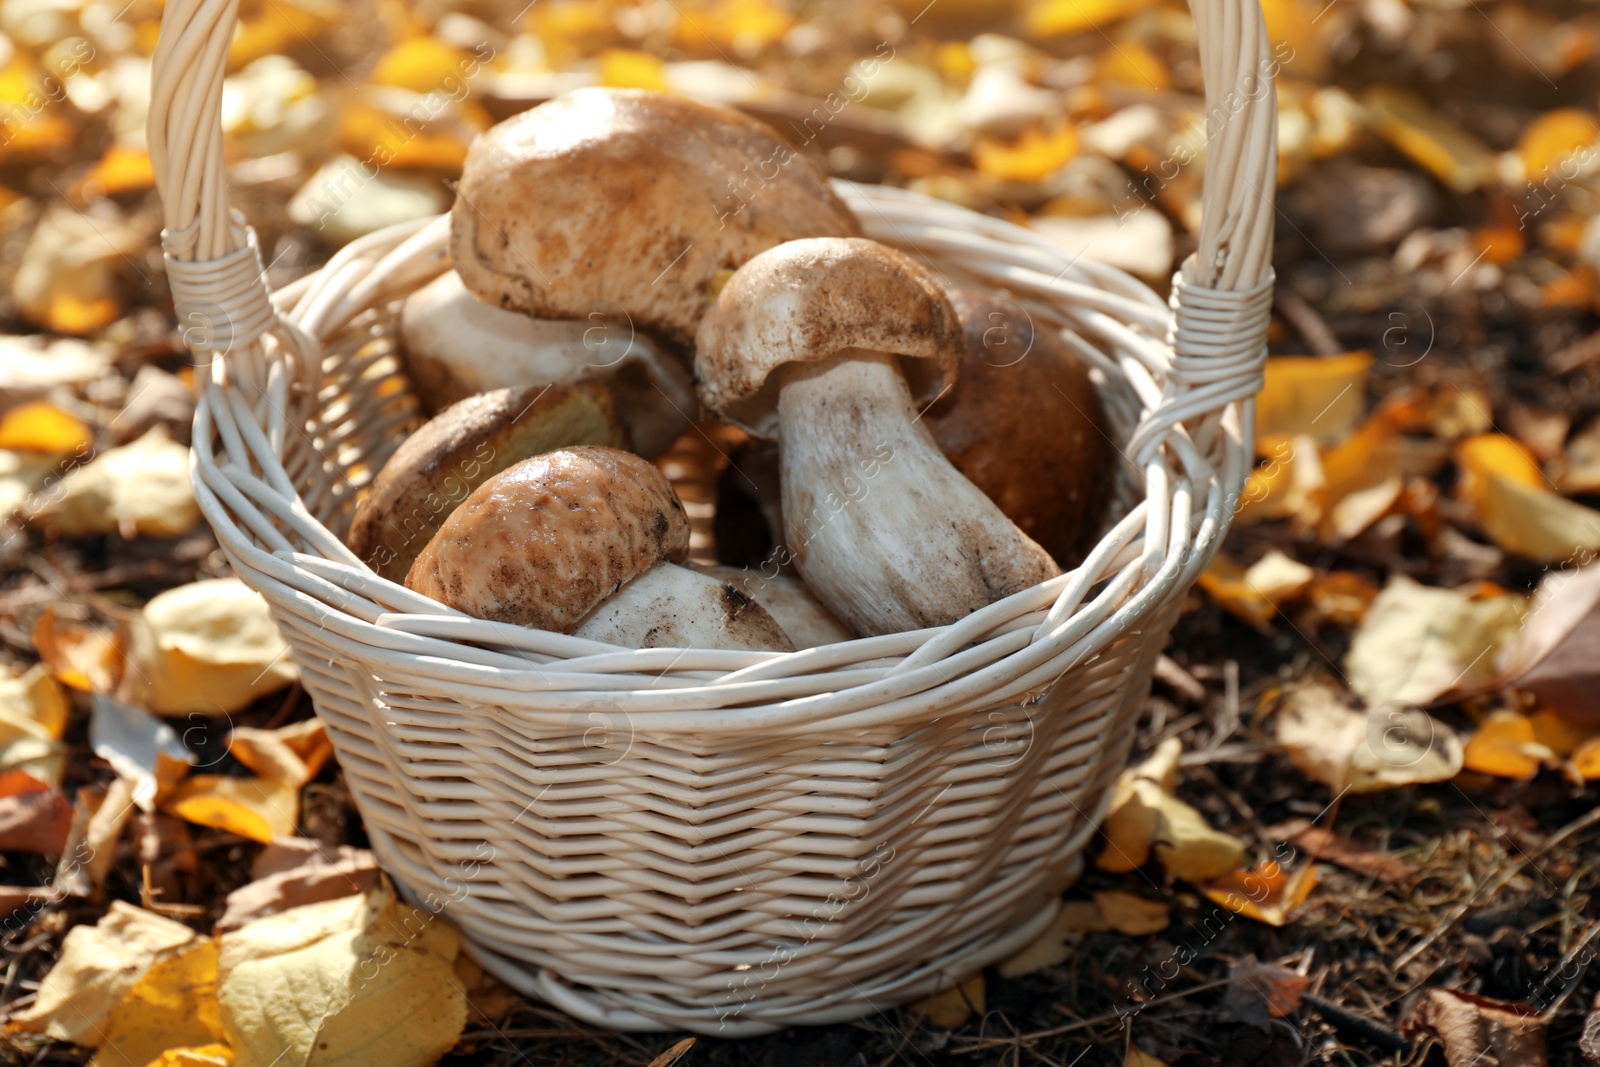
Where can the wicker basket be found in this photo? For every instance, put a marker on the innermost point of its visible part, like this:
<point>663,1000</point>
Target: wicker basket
<point>725,842</point>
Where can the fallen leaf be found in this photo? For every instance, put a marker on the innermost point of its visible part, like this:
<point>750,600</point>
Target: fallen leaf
<point>140,748</point>
<point>82,656</point>
<point>124,168</point>
<point>1326,846</point>
<point>1137,1057</point>
<point>67,281</point>
<point>1509,497</point>
<point>1032,157</point>
<point>33,717</point>
<point>293,753</point>
<point>952,1006</point>
<point>1321,397</point>
<point>1418,642</point>
<point>1561,735</point>
<point>34,817</point>
<point>1341,598</point>
<point>421,64</point>
<point>1289,484</point>
<point>218,1055</point>
<point>98,966</point>
<point>1504,745</point>
<point>1131,914</point>
<point>99,815</point>
<point>627,68</point>
<point>39,426</point>
<point>1051,18</point>
<point>1586,760</point>
<point>1260,992</point>
<point>1256,592</point>
<point>1144,818</point>
<point>293,871</point>
<point>1477,1031</point>
<point>1054,946</point>
<point>1362,480</point>
<point>1364,752</point>
<point>209,647</point>
<point>140,489</point>
<point>255,808</point>
<point>173,1004</point>
<point>20,474</point>
<point>33,365</point>
<point>343,983</point>
<point>1439,146</point>
<point>1265,894</point>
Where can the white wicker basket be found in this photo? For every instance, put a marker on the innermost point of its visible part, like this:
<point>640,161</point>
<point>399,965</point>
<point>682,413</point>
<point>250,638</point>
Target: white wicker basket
<point>725,842</point>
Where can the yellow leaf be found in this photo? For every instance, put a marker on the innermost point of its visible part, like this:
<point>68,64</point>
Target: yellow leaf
<point>1341,597</point>
<point>250,807</point>
<point>209,647</point>
<point>1502,482</point>
<point>1131,63</point>
<point>85,657</point>
<point>293,753</point>
<point>1254,593</point>
<point>1505,745</point>
<point>218,1055</point>
<point>33,717</point>
<point>1032,157</point>
<point>1418,642</point>
<point>1551,146</point>
<point>67,281</point>
<point>1321,396</point>
<point>1050,18</point>
<point>173,1004</point>
<point>421,64</point>
<point>1586,758</point>
<point>623,68</point>
<point>1131,914</point>
<point>1444,149</point>
<point>344,983</point>
<point>45,130</point>
<point>1493,455</point>
<point>743,27</point>
<point>1362,480</point>
<point>43,427</point>
<point>1294,23</point>
<point>1363,752</point>
<point>278,25</point>
<point>140,489</point>
<point>123,169</point>
<point>1290,483</point>
<point>1144,818</point>
<point>1559,734</point>
<point>1054,946</point>
<point>954,1005</point>
<point>382,125</point>
<point>1265,894</point>
<point>97,968</point>
<point>1137,1057</point>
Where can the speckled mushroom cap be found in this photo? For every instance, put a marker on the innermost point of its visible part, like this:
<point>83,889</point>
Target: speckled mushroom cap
<point>542,543</point>
<point>625,202</point>
<point>810,300</point>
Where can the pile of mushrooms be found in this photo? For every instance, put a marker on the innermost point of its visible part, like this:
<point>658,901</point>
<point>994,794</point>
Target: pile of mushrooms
<point>608,243</point>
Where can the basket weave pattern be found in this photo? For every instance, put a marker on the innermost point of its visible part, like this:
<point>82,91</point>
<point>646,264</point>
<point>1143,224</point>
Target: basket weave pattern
<point>722,841</point>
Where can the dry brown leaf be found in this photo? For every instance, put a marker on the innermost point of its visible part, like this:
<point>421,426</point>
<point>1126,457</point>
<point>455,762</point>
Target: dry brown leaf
<point>67,282</point>
<point>140,489</point>
<point>1145,819</point>
<point>1260,992</point>
<point>209,647</point>
<point>174,1004</point>
<point>99,816</point>
<point>1556,654</point>
<point>31,366</point>
<point>293,753</point>
<point>84,656</point>
<point>301,986</point>
<point>294,871</point>
<point>97,968</point>
<point>34,817</point>
<point>1478,1031</point>
<point>1418,642</point>
<point>1364,752</point>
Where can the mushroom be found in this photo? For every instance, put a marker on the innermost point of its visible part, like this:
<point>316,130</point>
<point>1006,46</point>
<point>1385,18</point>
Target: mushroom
<point>459,449</point>
<point>1024,424</point>
<point>580,541</point>
<point>883,529</point>
<point>455,345</point>
<point>803,617</point>
<point>626,204</point>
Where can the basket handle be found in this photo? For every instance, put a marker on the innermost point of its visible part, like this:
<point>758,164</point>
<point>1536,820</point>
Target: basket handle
<point>222,300</point>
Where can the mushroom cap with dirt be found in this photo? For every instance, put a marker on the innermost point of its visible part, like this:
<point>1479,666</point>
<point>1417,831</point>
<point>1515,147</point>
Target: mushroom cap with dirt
<point>454,345</point>
<point>459,449</point>
<point>583,541</point>
<point>1025,425</point>
<point>626,203</point>
<point>829,345</point>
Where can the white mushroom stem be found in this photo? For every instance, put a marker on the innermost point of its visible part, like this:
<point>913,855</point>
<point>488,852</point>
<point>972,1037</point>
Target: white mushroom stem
<point>883,529</point>
<point>803,617</point>
<point>673,607</point>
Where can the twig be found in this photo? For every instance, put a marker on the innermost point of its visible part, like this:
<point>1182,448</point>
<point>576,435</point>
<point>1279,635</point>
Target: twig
<point>1576,354</point>
<point>979,1044</point>
<point>1305,319</point>
<point>1348,1022</point>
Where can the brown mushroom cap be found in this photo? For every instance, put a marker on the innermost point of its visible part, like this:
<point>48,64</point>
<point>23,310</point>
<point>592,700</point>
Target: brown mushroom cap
<point>544,542</point>
<point>810,300</point>
<point>627,203</point>
<point>459,449</point>
<point>1025,425</point>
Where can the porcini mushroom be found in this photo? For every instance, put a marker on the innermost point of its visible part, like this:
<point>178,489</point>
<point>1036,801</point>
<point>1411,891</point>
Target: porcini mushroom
<point>828,344</point>
<point>1024,424</point>
<point>454,345</point>
<point>627,203</point>
<point>806,620</point>
<point>459,449</point>
<point>581,541</point>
